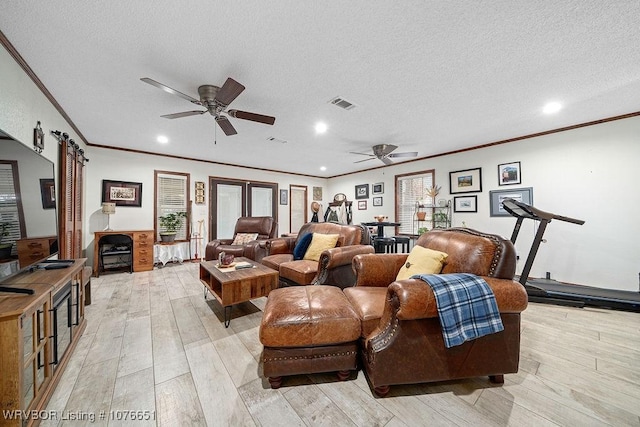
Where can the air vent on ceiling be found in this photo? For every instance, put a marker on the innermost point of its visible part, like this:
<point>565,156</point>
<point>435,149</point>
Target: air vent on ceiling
<point>274,139</point>
<point>342,103</point>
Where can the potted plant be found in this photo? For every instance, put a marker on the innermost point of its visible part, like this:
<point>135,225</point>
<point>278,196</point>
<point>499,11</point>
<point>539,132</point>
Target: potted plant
<point>422,230</point>
<point>5,248</point>
<point>170,224</point>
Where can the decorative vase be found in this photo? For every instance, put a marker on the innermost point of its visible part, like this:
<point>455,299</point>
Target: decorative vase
<point>421,215</point>
<point>168,237</point>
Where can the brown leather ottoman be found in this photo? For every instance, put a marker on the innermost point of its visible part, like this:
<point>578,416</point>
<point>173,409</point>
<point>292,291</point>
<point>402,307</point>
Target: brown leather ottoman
<point>308,329</point>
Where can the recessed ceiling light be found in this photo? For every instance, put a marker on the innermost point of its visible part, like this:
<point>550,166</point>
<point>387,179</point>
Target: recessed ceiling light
<point>323,168</point>
<point>321,127</point>
<point>552,107</point>
<point>162,139</point>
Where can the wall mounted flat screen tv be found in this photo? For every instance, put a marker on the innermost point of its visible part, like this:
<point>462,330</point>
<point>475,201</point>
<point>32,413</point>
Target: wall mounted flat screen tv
<point>28,219</point>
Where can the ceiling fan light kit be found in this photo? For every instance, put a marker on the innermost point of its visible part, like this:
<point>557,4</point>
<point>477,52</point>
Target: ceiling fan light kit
<point>216,100</point>
<point>383,152</point>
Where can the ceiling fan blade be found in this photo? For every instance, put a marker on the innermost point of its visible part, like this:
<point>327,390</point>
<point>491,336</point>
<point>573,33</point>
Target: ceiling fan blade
<point>407,154</point>
<point>226,126</point>
<point>168,89</point>
<point>364,160</point>
<point>361,154</point>
<point>386,161</point>
<point>183,114</point>
<point>229,91</point>
<point>254,117</point>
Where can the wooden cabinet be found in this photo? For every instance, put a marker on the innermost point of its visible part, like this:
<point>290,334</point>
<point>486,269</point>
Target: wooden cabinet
<point>38,333</point>
<point>35,249</point>
<point>142,248</point>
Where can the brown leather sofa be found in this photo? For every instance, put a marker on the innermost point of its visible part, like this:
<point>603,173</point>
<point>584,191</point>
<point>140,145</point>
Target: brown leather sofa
<point>401,339</point>
<point>334,266</point>
<point>265,226</point>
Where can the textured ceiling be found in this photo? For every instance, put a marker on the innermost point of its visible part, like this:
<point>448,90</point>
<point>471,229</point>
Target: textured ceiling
<point>428,76</point>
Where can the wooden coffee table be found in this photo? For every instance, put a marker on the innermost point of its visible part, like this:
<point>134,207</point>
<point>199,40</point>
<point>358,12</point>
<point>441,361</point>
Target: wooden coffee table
<point>230,286</point>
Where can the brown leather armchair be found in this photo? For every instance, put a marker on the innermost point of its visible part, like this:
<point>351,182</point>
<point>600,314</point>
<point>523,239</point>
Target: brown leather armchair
<point>401,335</point>
<point>334,266</point>
<point>265,226</point>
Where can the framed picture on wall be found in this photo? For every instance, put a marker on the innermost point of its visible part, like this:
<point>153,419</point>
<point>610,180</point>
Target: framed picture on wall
<point>362,205</point>
<point>465,204</point>
<point>362,191</point>
<point>284,197</point>
<point>496,197</point>
<point>48,193</point>
<point>122,193</point>
<point>465,181</point>
<point>378,188</point>
<point>377,201</point>
<point>509,173</point>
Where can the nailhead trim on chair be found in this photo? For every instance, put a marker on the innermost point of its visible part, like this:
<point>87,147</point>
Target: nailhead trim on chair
<point>315,356</point>
<point>497,253</point>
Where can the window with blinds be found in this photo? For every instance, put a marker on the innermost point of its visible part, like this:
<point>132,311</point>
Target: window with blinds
<point>172,195</point>
<point>9,209</point>
<point>409,190</point>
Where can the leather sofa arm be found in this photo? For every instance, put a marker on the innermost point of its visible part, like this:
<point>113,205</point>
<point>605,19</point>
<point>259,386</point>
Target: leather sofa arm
<point>255,250</point>
<point>414,299</point>
<point>342,255</point>
<point>210,249</point>
<point>377,269</point>
<point>282,245</point>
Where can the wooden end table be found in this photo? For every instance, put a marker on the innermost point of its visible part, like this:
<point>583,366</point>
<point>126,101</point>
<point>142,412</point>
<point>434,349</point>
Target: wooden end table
<point>230,286</point>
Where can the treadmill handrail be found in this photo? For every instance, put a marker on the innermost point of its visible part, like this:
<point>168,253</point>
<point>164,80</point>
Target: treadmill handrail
<point>522,210</point>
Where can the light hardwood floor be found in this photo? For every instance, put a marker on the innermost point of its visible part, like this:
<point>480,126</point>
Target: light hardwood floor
<point>154,344</point>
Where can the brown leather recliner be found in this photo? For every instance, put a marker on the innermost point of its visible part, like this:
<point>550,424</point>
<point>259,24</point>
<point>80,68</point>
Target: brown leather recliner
<point>334,266</point>
<point>265,226</point>
<point>401,335</point>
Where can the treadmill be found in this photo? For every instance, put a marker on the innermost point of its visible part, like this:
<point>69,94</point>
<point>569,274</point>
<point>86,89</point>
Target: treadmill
<point>554,292</point>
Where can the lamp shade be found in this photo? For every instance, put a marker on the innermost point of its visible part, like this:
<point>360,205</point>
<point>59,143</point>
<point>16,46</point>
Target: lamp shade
<point>108,208</point>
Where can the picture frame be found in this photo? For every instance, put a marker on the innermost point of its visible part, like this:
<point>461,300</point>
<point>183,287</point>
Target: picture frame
<point>362,191</point>
<point>38,138</point>
<point>48,193</point>
<point>509,173</point>
<point>122,193</point>
<point>199,193</point>
<point>465,204</point>
<point>284,197</point>
<point>362,205</point>
<point>377,201</point>
<point>317,194</point>
<point>524,195</point>
<point>465,181</point>
<point>378,188</point>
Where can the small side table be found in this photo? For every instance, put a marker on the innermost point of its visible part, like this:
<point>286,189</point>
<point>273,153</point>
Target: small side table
<point>169,252</point>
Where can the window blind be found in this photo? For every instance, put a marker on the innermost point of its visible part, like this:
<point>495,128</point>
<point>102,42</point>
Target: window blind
<point>410,189</point>
<point>171,197</point>
<point>9,205</point>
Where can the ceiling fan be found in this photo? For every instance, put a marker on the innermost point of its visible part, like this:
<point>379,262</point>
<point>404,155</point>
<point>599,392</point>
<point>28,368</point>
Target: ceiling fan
<point>216,100</point>
<point>383,152</point>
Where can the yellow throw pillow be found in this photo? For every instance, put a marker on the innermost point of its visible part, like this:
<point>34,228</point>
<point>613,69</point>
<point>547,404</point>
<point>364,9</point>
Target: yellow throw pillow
<point>320,242</point>
<point>422,260</point>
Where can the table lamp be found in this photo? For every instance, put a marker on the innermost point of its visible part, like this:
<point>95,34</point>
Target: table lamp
<point>108,209</point>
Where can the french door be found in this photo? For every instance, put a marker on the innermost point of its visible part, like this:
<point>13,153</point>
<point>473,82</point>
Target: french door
<point>231,199</point>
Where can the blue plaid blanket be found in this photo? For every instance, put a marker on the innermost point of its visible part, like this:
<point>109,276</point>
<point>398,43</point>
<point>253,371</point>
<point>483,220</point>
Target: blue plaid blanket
<point>466,306</point>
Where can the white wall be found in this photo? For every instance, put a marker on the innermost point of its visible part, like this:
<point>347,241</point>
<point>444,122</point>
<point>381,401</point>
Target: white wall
<point>587,173</point>
<point>125,166</point>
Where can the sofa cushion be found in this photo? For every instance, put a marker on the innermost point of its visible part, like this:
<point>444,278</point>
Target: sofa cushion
<point>244,238</point>
<point>274,261</point>
<point>368,302</point>
<point>319,243</point>
<point>301,272</point>
<point>301,247</point>
<point>422,261</point>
